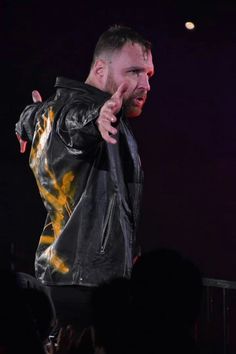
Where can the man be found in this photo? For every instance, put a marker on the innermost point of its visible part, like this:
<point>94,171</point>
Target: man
<point>86,164</point>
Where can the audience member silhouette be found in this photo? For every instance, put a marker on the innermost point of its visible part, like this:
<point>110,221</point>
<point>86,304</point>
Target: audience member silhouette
<point>38,300</point>
<point>166,291</point>
<point>18,330</point>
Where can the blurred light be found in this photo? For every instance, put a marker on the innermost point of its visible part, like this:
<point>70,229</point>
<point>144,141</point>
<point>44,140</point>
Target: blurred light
<point>189,25</point>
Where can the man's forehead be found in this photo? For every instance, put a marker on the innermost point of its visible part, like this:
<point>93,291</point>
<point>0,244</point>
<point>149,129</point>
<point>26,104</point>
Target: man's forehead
<point>135,52</point>
<point>134,46</point>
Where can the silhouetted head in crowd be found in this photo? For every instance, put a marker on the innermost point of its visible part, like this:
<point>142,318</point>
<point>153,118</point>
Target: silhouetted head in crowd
<point>168,286</point>
<point>39,302</point>
<point>166,293</point>
<point>18,329</point>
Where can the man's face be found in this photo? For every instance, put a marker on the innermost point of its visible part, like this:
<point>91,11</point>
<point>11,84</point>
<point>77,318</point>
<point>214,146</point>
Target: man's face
<point>131,64</point>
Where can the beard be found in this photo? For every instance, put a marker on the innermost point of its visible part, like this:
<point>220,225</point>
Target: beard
<point>131,110</point>
<point>111,85</point>
<point>132,106</point>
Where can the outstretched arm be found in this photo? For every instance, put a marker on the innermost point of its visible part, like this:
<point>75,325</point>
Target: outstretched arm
<point>36,97</point>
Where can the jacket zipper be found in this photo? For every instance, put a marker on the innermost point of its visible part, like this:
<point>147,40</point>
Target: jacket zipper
<point>107,227</point>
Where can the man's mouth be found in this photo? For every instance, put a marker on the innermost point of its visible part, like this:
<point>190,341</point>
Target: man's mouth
<point>139,100</point>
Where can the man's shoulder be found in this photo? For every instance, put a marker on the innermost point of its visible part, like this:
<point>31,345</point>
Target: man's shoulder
<point>63,82</point>
<point>77,89</point>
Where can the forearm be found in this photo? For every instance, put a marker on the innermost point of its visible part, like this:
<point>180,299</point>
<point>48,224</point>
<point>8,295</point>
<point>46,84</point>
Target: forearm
<point>24,128</point>
<point>77,127</point>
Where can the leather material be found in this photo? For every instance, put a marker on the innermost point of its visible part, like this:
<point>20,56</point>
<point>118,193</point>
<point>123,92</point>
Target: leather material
<point>91,189</point>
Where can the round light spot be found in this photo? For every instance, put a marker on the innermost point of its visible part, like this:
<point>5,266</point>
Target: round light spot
<point>189,25</point>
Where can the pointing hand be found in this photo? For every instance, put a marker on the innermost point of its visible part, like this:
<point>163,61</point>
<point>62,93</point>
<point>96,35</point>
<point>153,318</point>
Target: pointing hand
<point>108,112</point>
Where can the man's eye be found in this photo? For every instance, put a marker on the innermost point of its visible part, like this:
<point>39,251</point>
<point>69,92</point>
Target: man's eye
<point>135,71</point>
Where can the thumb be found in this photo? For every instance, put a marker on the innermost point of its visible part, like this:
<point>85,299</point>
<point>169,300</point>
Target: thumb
<point>36,96</point>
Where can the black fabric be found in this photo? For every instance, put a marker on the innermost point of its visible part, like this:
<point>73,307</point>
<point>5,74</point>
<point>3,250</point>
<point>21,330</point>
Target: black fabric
<point>91,189</point>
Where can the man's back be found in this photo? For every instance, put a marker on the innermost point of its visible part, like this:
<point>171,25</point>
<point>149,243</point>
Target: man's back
<point>89,190</point>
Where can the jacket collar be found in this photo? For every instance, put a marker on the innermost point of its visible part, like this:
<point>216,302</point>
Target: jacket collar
<point>62,82</point>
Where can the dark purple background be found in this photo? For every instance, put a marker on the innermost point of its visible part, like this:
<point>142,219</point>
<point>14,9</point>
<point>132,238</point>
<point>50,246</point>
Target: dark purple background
<point>186,134</point>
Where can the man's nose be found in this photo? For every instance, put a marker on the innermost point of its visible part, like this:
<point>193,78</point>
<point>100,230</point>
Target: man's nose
<point>144,82</point>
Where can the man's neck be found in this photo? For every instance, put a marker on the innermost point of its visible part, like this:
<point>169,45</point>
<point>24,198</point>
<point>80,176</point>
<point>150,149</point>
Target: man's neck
<point>92,82</point>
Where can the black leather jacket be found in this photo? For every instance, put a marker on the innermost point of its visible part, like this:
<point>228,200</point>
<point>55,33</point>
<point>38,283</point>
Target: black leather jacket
<point>91,189</point>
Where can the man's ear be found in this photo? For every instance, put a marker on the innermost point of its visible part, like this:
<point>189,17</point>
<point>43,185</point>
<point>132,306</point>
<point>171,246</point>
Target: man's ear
<point>100,69</point>
<point>98,74</point>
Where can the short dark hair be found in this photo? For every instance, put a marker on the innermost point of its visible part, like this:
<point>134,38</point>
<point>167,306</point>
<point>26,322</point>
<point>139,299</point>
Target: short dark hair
<point>116,37</point>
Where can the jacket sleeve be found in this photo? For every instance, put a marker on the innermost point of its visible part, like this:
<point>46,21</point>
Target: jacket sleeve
<point>77,127</point>
<point>24,128</point>
<point>26,124</point>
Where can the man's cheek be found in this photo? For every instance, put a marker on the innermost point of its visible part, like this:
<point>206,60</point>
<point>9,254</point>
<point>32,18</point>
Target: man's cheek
<point>129,93</point>
<point>132,84</point>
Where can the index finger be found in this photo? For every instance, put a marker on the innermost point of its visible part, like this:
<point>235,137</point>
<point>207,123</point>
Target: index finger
<point>121,90</point>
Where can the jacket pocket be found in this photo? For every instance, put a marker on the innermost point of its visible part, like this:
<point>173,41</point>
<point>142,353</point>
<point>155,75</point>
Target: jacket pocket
<point>107,229</point>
